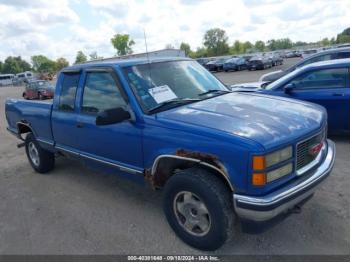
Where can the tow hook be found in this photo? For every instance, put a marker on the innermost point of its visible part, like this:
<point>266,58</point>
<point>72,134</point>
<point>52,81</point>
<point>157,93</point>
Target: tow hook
<point>296,209</point>
<point>21,145</point>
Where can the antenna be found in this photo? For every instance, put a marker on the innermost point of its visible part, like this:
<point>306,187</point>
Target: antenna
<point>144,34</point>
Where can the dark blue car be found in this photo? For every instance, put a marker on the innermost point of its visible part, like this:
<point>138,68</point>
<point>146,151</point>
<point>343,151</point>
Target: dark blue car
<point>235,64</point>
<point>325,83</point>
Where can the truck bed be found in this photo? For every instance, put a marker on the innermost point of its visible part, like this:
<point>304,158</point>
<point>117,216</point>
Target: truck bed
<point>37,113</point>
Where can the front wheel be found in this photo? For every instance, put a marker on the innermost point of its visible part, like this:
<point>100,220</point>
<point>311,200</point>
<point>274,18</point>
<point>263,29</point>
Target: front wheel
<point>40,159</point>
<point>199,209</point>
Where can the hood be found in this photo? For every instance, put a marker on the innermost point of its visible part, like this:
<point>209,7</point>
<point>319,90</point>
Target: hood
<point>265,119</point>
<point>272,76</point>
<point>248,87</point>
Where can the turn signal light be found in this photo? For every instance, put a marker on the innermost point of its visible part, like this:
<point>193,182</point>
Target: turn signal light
<point>259,162</point>
<point>259,179</point>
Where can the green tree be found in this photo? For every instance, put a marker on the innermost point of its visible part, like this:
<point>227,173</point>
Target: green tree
<point>123,43</point>
<point>325,42</point>
<point>61,63</point>
<point>80,58</point>
<point>246,46</point>
<point>215,40</point>
<point>284,43</point>
<point>42,64</point>
<point>186,48</point>
<point>1,65</point>
<point>260,45</point>
<point>200,52</point>
<point>14,65</point>
<point>237,48</point>
<point>342,38</point>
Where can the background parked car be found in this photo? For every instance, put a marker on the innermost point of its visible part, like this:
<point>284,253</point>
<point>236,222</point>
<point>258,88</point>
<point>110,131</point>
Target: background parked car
<point>235,63</point>
<point>259,63</point>
<point>326,83</point>
<point>203,60</point>
<point>307,53</point>
<point>276,59</point>
<point>216,65</point>
<point>39,89</point>
<point>292,54</point>
<point>330,54</point>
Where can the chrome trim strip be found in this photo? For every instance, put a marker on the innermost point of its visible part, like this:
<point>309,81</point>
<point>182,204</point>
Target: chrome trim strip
<point>45,142</point>
<point>120,167</point>
<point>291,190</point>
<point>67,150</point>
<point>156,161</point>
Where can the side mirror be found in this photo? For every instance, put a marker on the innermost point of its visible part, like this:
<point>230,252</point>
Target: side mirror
<point>289,88</point>
<point>112,116</point>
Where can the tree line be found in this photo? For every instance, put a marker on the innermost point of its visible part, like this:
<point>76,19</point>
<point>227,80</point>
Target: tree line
<point>215,43</point>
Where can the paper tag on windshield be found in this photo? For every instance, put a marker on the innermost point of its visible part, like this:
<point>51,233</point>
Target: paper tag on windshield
<point>162,93</point>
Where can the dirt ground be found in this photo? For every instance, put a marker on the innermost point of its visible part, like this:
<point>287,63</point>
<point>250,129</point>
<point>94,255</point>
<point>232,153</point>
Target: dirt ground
<point>74,210</point>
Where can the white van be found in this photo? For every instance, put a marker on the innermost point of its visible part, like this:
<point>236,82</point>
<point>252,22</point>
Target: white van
<point>6,79</point>
<point>25,76</point>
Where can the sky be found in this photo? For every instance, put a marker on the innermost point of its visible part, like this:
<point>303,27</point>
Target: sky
<point>60,28</point>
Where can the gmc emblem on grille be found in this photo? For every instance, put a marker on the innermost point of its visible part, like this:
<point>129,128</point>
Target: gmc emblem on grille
<point>315,149</point>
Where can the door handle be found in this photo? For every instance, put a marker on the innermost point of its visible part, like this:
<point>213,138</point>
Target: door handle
<point>80,125</point>
<point>338,94</point>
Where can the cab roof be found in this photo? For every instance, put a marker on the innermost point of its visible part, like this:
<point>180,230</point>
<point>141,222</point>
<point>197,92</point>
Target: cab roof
<point>124,62</point>
<point>345,62</point>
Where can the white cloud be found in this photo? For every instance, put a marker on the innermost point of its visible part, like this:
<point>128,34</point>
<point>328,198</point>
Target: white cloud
<point>59,28</point>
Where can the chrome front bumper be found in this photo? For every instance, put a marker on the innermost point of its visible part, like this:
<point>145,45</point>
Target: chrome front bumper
<point>264,208</point>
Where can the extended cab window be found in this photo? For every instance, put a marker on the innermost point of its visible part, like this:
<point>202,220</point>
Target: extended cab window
<point>101,93</point>
<point>69,88</point>
<point>327,78</point>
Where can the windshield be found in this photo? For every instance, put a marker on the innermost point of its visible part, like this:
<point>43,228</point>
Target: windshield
<point>156,83</point>
<point>43,85</point>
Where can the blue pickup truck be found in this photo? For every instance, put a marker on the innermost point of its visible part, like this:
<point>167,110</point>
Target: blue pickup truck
<point>218,156</point>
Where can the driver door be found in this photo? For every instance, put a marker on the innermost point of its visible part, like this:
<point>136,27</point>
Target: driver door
<point>117,145</point>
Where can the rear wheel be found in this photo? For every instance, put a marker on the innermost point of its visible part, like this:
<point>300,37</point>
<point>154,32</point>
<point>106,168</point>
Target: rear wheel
<point>40,159</point>
<point>198,207</point>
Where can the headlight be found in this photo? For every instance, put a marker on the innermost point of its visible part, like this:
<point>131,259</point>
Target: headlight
<point>278,156</point>
<point>260,163</point>
<point>278,173</point>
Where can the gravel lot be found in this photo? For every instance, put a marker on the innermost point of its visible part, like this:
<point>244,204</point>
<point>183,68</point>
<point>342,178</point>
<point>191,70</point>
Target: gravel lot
<point>74,210</point>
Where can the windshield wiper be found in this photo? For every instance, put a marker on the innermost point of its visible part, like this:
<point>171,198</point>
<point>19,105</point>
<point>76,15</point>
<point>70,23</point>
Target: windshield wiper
<point>176,101</point>
<point>218,91</point>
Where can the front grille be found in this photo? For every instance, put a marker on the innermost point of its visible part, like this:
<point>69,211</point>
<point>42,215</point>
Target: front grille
<point>303,150</point>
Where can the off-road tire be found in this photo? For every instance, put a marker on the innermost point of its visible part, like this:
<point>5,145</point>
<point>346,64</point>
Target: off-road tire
<point>217,198</point>
<point>46,158</point>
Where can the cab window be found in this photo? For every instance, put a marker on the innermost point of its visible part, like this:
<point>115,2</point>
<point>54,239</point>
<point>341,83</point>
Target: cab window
<point>101,93</point>
<point>68,91</point>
